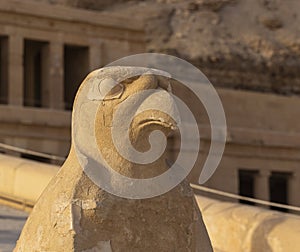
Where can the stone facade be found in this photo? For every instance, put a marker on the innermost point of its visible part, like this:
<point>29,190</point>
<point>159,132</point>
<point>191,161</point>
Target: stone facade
<point>263,129</point>
<point>46,51</point>
<point>262,147</point>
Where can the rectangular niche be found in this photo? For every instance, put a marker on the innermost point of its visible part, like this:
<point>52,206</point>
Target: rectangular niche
<point>76,67</point>
<point>278,187</point>
<point>35,69</point>
<point>247,184</point>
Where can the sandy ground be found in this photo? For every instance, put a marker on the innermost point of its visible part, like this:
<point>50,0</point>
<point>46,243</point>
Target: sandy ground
<point>11,223</point>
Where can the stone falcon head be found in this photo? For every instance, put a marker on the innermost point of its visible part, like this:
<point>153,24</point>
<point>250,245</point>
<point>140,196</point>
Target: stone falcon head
<point>129,105</point>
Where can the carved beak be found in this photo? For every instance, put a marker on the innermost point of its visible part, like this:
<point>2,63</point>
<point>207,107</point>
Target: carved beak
<point>163,110</point>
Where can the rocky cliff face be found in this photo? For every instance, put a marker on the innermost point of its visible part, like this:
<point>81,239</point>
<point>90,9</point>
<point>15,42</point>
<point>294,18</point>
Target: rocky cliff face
<point>247,44</point>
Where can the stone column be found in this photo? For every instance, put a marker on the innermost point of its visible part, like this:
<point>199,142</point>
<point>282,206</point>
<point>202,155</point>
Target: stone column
<point>53,92</point>
<point>15,70</point>
<point>4,69</point>
<point>262,185</point>
<point>95,55</point>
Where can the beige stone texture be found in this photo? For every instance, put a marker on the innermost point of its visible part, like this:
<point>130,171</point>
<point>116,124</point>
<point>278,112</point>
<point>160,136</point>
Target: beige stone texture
<point>106,37</point>
<point>232,46</point>
<point>231,227</point>
<point>263,129</point>
<point>235,227</point>
<point>74,214</point>
<point>24,180</point>
<point>236,48</point>
<point>255,141</point>
<point>15,65</point>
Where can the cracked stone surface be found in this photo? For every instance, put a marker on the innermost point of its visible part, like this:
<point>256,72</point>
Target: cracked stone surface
<point>74,214</point>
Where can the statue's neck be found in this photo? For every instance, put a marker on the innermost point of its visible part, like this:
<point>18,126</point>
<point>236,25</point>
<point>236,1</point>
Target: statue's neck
<point>122,165</point>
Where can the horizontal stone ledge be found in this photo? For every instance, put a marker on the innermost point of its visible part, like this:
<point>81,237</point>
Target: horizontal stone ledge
<point>74,15</point>
<point>236,227</point>
<point>249,136</point>
<point>32,116</point>
<point>22,179</point>
<point>59,12</point>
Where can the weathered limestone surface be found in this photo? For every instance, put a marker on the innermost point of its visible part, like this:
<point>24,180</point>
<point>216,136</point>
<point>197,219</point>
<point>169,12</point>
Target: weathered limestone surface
<point>73,214</point>
<point>236,227</point>
<point>231,226</point>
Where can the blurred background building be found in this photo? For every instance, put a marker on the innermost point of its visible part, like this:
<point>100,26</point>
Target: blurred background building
<point>46,52</point>
<point>248,49</point>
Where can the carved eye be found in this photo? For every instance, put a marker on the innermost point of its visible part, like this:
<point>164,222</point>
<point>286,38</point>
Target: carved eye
<point>107,89</point>
<point>115,91</point>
